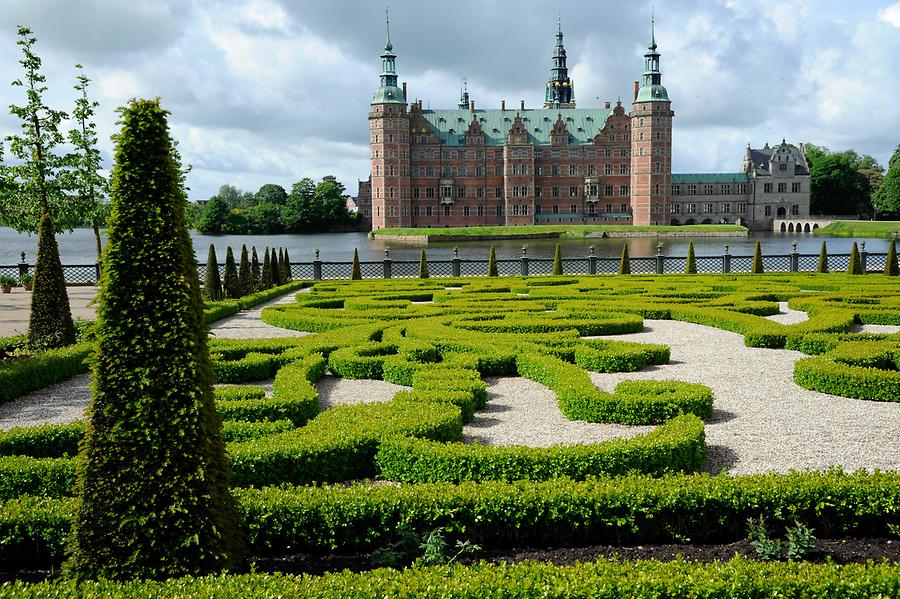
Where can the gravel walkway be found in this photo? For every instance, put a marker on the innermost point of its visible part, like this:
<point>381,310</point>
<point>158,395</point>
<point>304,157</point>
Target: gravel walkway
<point>787,315</point>
<point>248,324</point>
<point>57,404</point>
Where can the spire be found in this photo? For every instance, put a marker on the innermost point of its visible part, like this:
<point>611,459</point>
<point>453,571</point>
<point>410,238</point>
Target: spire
<point>464,96</point>
<point>651,89</point>
<point>387,22</point>
<point>652,45</point>
<point>560,92</point>
<point>388,92</point>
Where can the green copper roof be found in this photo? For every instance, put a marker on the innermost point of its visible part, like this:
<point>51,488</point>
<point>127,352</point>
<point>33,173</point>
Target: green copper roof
<point>652,93</point>
<point>681,178</point>
<point>582,123</point>
<point>388,94</point>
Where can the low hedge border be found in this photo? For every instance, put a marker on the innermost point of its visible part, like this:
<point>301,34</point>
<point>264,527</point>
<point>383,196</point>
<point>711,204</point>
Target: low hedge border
<point>678,445</point>
<point>41,370</point>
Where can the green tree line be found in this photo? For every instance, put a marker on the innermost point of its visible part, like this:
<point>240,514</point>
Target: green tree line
<point>849,183</point>
<point>309,207</point>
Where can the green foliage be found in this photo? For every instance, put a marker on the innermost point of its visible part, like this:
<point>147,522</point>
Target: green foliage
<point>270,193</point>
<point>492,263</point>
<point>39,370</point>
<point>757,267</point>
<point>232,284</point>
<point>245,274</point>
<point>45,441</point>
<point>274,268</point>
<point>266,280</point>
<point>800,541</point>
<point>690,266</point>
<point>212,283</point>
<point>625,261</point>
<point>858,370</point>
<point>860,228</point>
<point>766,548</point>
<point>286,276</point>
<point>837,186</point>
<point>887,199</point>
<point>213,217</point>
<point>854,267</point>
<point>50,322</point>
<point>255,270</point>
<point>152,466</point>
<point>891,268</point>
<point>823,259</point>
<point>355,273</point>
<point>557,261</point>
<point>423,265</point>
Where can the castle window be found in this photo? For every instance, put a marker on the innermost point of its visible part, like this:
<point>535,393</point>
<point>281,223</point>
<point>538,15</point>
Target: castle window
<point>573,191</point>
<point>623,190</point>
<point>499,210</point>
<point>608,152</point>
<point>795,210</point>
<point>538,153</point>
<point>609,208</point>
<point>447,210</point>
<point>392,211</point>
<point>391,192</point>
<point>573,169</point>
<point>555,191</point>
<point>573,153</point>
<point>479,192</point>
<point>556,169</point>
<point>391,170</point>
<point>416,194</point>
<point>676,190</point>
<point>675,208</point>
<point>539,170</point>
<point>725,207</point>
<point>726,189</point>
<point>427,210</point>
<point>692,208</point>
<point>591,208</point>
<point>480,210</point>
<point>768,211</point>
<point>782,167</point>
<point>608,169</point>
<point>656,191</point>
<point>465,211</point>
<point>741,207</point>
<point>657,167</point>
<point>608,190</point>
<point>767,188</point>
<point>692,190</point>
<point>641,138</point>
<point>538,209</point>
<point>592,169</point>
<point>573,209</point>
<point>554,153</point>
<point>377,210</point>
<point>707,190</point>
<point>623,169</point>
<point>555,208</point>
<point>498,192</point>
<point>623,207</point>
<point>795,187</point>
<point>415,210</point>
<point>612,137</point>
<point>390,140</point>
<point>538,192</point>
<point>479,171</point>
<point>498,170</point>
<point>782,188</point>
<point>623,152</point>
<point>463,171</point>
<point>707,208</point>
<point>460,192</point>
<point>377,170</point>
<point>429,192</point>
<point>515,210</point>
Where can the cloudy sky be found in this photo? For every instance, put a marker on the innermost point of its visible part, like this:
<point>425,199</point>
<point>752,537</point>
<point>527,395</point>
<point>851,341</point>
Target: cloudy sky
<point>274,90</point>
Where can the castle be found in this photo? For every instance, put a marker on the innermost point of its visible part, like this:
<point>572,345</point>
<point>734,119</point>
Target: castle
<point>470,166</point>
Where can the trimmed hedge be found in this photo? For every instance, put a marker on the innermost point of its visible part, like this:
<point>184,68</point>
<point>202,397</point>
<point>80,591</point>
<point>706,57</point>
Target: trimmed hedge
<point>42,369</point>
<point>678,445</point>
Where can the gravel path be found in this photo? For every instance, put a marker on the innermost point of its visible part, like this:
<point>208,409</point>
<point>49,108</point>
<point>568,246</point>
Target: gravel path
<point>248,324</point>
<point>787,315</point>
<point>336,391</point>
<point>57,404</point>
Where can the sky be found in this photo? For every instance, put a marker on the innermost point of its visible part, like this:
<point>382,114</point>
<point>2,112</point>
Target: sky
<point>270,91</point>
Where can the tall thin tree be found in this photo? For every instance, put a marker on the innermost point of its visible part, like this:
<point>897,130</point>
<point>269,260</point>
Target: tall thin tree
<point>245,274</point>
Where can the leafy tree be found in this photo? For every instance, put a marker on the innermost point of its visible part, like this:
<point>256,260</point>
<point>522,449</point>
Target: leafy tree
<point>557,261</point>
<point>625,261</point>
<point>262,219</point>
<point>271,193</point>
<point>274,268</point>
<point>690,265</point>
<point>235,198</point>
<point>300,211</point>
<point>355,273</point>
<point>214,216</point>
<point>265,279</point>
<point>757,267</point>
<point>823,259</point>
<point>895,158</point>
<point>89,185</point>
<point>423,265</point>
<point>286,276</point>
<point>245,273</point>
<point>891,268</point>
<point>836,184</point>
<point>887,198</point>
<point>255,269</point>
<point>50,322</point>
<point>153,474</point>
<point>212,284</point>
<point>492,263</point>
<point>855,265</point>
<point>232,283</point>
<point>330,201</point>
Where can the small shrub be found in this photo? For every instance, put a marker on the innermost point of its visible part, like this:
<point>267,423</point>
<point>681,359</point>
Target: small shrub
<point>767,549</point>
<point>265,278</point>
<point>245,273</point>
<point>355,272</point>
<point>855,265</point>
<point>801,542</point>
<point>891,268</point>
<point>823,259</point>
<point>255,270</point>
<point>557,261</point>
<point>231,283</point>
<point>50,323</point>
<point>757,267</point>
<point>625,262</point>
<point>690,266</point>
<point>492,263</point>
<point>423,265</point>
<point>212,284</point>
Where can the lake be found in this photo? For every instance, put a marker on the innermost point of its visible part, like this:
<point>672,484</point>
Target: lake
<point>77,247</point>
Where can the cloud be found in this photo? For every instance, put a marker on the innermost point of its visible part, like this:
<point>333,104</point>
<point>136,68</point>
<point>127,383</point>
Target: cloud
<point>891,14</point>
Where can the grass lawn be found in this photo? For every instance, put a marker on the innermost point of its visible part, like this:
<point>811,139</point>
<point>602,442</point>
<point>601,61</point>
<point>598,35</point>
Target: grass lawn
<point>553,230</point>
<point>860,228</point>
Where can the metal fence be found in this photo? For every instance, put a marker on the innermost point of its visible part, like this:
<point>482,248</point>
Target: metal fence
<point>89,274</point>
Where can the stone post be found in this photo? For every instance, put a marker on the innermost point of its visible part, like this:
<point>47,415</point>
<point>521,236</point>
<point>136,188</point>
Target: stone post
<point>592,262</point>
<point>23,266</point>
<point>863,257</point>
<point>387,264</point>
<point>317,267</point>
<point>524,261</point>
<point>456,269</point>
<point>795,258</point>
<point>726,260</point>
<point>660,259</point>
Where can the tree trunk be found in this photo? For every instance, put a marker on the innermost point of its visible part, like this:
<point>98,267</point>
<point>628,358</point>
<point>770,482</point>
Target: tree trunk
<point>96,226</point>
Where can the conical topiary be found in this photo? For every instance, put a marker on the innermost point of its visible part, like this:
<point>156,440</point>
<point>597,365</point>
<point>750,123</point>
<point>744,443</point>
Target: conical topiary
<point>492,263</point>
<point>153,477</point>
<point>231,283</point>
<point>891,267</point>
<point>690,265</point>
<point>245,274</point>
<point>557,261</point>
<point>274,268</point>
<point>855,266</point>
<point>212,282</point>
<point>423,265</point>
<point>281,277</point>
<point>265,279</point>
<point>823,259</point>
<point>50,322</point>
<point>255,269</point>
<point>757,267</point>
<point>286,275</point>
<point>355,273</point>
<point>625,262</point>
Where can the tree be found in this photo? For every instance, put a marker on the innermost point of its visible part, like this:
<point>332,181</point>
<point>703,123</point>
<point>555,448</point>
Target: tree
<point>625,261</point>
<point>152,474</point>
<point>887,199</point>
<point>355,274</point>
<point>214,216</point>
<point>299,212</point>
<point>823,259</point>
<point>492,263</point>
<point>232,283</point>
<point>423,265</point>
<point>274,268</point>
<point>255,270</point>
<point>690,265</point>
<point>212,283</point>
<point>262,219</point>
<point>265,279</point>
<point>557,261</point>
<point>757,266</point>
<point>50,322</point>
<point>330,201</point>
<point>89,185</point>
<point>286,275</point>
<point>245,274</point>
<point>895,158</point>
<point>855,265</point>
<point>836,185</point>
<point>235,198</point>
<point>271,193</point>
<point>891,268</point>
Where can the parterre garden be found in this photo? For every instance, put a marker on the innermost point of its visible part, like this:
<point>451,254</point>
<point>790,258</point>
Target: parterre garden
<point>307,481</point>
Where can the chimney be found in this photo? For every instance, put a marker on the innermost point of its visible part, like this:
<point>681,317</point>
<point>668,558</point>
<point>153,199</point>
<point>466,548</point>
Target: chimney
<point>637,86</point>
<point>502,104</point>
<point>606,105</point>
<point>521,104</point>
<point>472,106</point>
<point>404,90</point>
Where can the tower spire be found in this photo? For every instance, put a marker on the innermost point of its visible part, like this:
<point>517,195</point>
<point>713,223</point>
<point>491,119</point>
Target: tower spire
<point>388,92</point>
<point>652,89</point>
<point>387,24</point>
<point>652,45</point>
<point>560,91</point>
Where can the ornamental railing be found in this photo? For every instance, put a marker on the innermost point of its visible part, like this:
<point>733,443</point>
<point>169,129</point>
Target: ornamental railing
<point>89,274</point>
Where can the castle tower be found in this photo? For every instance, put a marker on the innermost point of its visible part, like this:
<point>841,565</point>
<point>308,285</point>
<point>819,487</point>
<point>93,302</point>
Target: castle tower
<point>651,144</point>
<point>560,90</point>
<point>389,141</point>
